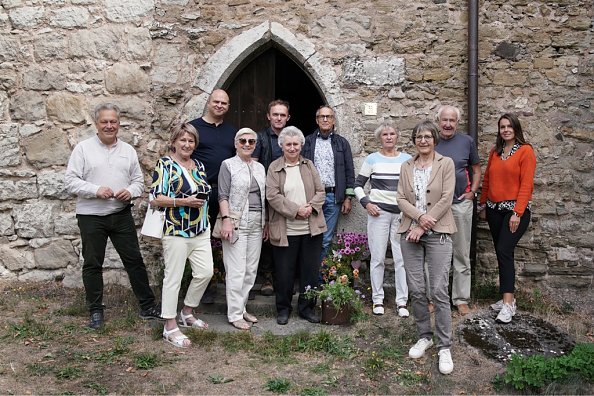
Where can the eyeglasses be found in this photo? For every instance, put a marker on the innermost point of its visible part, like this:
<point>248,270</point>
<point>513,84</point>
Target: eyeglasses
<point>243,141</point>
<point>325,117</point>
<point>427,138</point>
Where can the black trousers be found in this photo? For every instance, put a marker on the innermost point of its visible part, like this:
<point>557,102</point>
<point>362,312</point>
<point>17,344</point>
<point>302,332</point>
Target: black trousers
<point>303,255</point>
<point>119,227</point>
<point>505,243</point>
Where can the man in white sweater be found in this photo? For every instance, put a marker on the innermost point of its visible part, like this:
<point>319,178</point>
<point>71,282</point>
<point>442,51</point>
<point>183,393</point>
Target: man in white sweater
<point>104,173</point>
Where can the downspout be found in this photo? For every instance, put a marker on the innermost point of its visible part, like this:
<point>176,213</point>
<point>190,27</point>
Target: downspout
<point>473,105</point>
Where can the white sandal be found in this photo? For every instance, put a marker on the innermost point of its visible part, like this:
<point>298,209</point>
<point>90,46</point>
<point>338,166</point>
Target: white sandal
<point>175,340</point>
<point>196,324</point>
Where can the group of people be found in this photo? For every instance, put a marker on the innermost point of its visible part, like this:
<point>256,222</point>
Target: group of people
<point>277,196</point>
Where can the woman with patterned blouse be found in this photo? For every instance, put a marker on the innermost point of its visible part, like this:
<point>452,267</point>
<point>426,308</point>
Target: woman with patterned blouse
<point>180,189</point>
<point>506,193</point>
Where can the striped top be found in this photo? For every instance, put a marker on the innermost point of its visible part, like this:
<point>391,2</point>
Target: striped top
<point>383,174</point>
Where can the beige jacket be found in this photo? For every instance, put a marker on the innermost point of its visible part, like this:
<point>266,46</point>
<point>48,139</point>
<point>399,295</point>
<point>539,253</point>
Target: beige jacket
<point>280,208</point>
<point>440,192</point>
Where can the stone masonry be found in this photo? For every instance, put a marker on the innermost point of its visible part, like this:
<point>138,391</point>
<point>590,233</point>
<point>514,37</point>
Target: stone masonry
<point>159,58</point>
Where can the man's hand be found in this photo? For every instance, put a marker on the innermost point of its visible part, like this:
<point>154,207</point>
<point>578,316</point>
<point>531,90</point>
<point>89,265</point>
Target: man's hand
<point>123,195</point>
<point>469,196</point>
<point>346,206</point>
<point>104,193</point>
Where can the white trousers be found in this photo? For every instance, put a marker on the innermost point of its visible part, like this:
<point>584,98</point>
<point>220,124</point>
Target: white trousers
<point>241,265</point>
<point>379,230</point>
<point>176,250</point>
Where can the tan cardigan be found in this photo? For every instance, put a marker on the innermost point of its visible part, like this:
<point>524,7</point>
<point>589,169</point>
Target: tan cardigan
<point>280,208</point>
<point>440,192</point>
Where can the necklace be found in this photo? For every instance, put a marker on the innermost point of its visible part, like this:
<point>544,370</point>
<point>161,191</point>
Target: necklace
<point>422,164</point>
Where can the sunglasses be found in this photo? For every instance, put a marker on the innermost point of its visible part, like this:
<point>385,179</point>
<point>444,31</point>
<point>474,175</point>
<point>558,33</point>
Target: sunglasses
<point>243,141</point>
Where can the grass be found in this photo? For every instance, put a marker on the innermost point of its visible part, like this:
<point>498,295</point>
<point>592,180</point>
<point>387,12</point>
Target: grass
<point>278,385</point>
<point>146,361</point>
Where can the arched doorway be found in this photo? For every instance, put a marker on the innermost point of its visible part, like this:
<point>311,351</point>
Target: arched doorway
<point>267,75</point>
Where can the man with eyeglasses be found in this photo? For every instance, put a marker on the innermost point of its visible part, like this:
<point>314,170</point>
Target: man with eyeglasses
<point>216,143</point>
<point>462,150</point>
<point>332,156</point>
<point>268,150</point>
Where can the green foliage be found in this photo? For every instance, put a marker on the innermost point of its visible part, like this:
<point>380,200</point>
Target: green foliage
<point>146,361</point>
<point>373,365</point>
<point>278,385</point>
<point>30,328</point>
<point>219,379</point>
<point>486,291</point>
<point>534,372</point>
<point>315,391</point>
<point>98,388</point>
<point>323,341</point>
<point>340,294</point>
<point>69,372</point>
<point>234,342</point>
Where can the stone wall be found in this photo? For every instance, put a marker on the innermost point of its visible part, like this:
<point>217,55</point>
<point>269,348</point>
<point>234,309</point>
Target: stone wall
<point>157,59</point>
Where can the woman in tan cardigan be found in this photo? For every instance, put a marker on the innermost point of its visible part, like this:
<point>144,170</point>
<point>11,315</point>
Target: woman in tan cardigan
<point>295,197</point>
<point>424,196</point>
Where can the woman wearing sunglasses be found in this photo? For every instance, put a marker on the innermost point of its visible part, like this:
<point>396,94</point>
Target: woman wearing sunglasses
<point>242,208</point>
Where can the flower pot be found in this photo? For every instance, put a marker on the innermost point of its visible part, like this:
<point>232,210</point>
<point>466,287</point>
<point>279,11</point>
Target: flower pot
<point>332,316</point>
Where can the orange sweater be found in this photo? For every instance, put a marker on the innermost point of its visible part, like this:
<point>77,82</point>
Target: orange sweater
<point>510,180</point>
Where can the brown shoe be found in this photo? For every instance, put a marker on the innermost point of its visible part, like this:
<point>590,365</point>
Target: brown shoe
<point>267,289</point>
<point>463,309</point>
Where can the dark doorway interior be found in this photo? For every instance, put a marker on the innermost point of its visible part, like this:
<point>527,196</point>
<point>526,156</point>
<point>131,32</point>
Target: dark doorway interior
<point>272,75</point>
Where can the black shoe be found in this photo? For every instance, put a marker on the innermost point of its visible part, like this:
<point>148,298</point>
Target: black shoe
<point>209,294</point>
<point>96,320</point>
<point>282,319</point>
<point>310,317</point>
<point>151,313</point>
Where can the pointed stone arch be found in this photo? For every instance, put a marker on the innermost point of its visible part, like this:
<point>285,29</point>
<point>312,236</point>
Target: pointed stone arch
<point>222,64</point>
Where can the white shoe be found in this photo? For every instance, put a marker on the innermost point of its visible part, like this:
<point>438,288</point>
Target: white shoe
<point>446,365</point>
<point>403,312</point>
<point>378,309</point>
<point>507,312</point>
<point>498,305</point>
<point>418,350</point>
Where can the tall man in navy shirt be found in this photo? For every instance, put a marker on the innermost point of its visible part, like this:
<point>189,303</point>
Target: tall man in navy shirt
<point>462,150</point>
<point>216,143</point>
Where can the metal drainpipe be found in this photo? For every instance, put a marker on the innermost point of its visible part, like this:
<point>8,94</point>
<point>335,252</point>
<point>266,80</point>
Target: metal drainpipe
<point>473,104</point>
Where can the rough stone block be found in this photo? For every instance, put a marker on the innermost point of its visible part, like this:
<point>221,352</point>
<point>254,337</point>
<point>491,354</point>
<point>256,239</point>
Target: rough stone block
<point>34,220</point>
<point>50,46</point>
<point>44,79</point>
<point>102,43</point>
<point>9,48</point>
<point>50,147</point>
<point>571,282</point>
<point>9,145</point>
<point>27,106</point>
<point>128,11</point>
<point>40,275</point>
<point>8,78</point>
<point>26,17</point>
<point>69,17</point>
<point>18,190</point>
<point>126,79</point>
<point>59,253</point>
<point>4,106</point>
<point>16,259</point>
<point>6,224</point>
<point>66,224</point>
<point>66,107</point>
<point>375,71</point>
<point>51,185</point>
<point>139,43</point>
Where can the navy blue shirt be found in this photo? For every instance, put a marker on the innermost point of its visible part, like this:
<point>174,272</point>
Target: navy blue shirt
<point>215,144</point>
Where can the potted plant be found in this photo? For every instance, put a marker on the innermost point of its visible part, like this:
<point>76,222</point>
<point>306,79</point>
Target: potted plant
<point>341,304</point>
<point>347,257</point>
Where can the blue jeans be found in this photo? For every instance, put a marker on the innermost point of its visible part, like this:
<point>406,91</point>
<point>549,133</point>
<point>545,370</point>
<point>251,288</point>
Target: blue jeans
<point>331,213</point>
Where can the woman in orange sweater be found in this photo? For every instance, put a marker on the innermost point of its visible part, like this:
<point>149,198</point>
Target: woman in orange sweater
<point>506,193</point>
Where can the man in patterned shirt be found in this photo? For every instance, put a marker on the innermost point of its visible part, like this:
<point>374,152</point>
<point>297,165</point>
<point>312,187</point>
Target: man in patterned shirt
<point>332,156</point>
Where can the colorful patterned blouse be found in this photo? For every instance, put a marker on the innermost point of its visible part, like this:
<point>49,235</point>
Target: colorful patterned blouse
<point>172,180</point>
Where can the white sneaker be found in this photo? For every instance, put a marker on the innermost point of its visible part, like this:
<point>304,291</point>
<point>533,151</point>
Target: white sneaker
<point>446,365</point>
<point>498,305</point>
<point>403,312</point>
<point>418,350</point>
<point>506,313</point>
<point>378,309</point>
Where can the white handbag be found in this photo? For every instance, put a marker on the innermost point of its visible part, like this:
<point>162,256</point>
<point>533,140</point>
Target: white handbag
<point>154,221</point>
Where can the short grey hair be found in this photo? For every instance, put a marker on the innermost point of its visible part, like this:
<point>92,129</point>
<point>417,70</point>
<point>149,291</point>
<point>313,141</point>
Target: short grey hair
<point>443,108</point>
<point>105,106</point>
<point>386,125</point>
<point>290,131</point>
<point>246,131</point>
